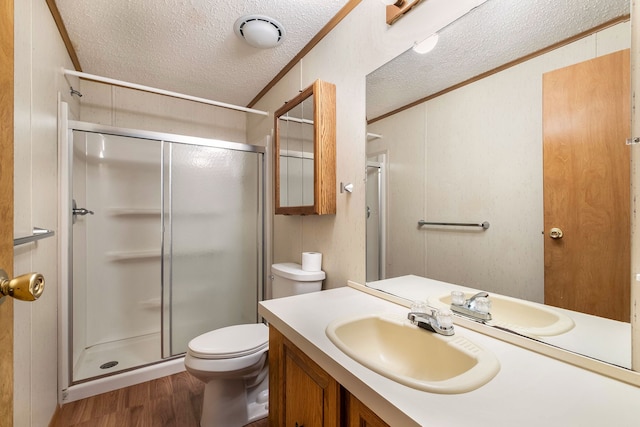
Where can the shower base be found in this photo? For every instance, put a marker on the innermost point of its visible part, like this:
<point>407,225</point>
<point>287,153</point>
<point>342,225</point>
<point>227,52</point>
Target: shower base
<point>120,380</point>
<point>128,353</point>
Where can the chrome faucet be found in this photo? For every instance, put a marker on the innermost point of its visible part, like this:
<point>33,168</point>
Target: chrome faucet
<point>477,307</point>
<point>432,320</point>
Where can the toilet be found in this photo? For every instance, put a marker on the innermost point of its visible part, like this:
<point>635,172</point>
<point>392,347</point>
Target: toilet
<point>233,361</point>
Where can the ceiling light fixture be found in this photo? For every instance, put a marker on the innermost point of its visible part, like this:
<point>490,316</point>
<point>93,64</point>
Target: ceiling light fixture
<point>259,31</point>
<point>427,44</point>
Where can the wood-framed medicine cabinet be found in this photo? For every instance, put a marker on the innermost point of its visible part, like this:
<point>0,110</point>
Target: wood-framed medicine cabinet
<point>305,152</point>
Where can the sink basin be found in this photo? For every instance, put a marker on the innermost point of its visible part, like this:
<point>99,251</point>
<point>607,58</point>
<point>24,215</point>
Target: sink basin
<point>395,348</point>
<point>521,316</point>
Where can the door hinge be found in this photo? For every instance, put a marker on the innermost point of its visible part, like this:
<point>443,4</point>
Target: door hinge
<point>633,141</point>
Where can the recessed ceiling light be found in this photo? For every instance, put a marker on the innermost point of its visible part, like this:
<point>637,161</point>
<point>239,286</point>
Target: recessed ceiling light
<point>259,31</point>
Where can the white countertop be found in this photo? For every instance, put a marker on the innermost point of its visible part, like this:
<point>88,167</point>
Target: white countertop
<point>530,389</point>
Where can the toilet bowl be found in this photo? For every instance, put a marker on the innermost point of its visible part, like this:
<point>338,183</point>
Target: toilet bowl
<point>233,361</point>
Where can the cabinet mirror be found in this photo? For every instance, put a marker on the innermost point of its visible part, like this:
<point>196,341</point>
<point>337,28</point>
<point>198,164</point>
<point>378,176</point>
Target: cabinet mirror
<point>305,153</point>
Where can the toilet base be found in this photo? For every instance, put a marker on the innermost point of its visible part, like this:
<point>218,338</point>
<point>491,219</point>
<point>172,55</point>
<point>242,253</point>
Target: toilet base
<point>258,398</point>
<point>257,411</point>
<point>229,403</point>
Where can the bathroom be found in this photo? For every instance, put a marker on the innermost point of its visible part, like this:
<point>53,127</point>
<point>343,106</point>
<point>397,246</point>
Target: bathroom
<point>40,52</point>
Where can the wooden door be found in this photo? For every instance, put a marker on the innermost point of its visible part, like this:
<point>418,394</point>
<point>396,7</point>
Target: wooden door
<point>6,208</point>
<point>586,120</point>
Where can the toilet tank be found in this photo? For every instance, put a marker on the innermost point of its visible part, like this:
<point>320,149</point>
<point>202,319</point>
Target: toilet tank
<point>290,279</point>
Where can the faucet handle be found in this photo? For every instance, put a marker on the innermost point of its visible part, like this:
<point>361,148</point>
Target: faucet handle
<point>457,298</point>
<point>419,307</point>
<point>444,318</point>
<point>483,305</point>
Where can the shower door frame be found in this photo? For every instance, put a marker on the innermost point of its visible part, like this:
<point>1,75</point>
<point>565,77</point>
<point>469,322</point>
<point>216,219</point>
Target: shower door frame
<point>65,163</point>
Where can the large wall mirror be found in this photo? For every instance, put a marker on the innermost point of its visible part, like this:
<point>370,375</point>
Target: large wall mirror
<point>471,148</point>
<point>305,154</point>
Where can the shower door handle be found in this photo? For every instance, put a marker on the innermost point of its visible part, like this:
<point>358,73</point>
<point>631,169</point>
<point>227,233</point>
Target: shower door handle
<point>82,211</point>
<point>75,210</point>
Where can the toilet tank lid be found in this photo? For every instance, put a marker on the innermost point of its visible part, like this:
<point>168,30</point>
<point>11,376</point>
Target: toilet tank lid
<point>293,271</point>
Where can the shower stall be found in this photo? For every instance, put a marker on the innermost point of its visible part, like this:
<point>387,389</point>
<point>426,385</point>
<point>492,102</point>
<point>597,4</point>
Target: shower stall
<point>162,241</point>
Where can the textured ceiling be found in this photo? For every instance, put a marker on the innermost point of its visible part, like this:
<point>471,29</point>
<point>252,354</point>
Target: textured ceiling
<point>493,34</point>
<point>189,46</point>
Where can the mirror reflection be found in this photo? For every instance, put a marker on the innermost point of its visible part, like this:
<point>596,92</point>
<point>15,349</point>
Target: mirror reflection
<point>492,103</point>
<point>305,152</point>
<point>296,155</point>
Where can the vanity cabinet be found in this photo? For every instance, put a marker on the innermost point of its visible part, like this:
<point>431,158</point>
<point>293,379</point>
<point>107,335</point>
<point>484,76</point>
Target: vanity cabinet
<point>359,415</point>
<point>302,394</point>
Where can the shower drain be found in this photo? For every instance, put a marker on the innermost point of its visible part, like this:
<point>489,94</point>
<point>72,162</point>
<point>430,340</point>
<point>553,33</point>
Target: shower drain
<point>108,365</point>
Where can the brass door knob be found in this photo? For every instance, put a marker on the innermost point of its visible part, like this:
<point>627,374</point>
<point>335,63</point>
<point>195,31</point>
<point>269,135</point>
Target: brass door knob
<point>556,233</point>
<point>27,287</point>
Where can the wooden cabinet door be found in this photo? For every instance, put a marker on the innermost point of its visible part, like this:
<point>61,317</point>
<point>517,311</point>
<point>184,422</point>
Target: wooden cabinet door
<point>300,392</point>
<point>359,415</point>
<point>304,392</point>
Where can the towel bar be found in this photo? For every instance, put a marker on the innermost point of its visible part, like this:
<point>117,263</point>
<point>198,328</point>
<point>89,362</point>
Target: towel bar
<point>38,233</point>
<point>485,225</point>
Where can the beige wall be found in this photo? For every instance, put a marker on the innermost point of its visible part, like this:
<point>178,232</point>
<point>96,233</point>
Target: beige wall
<point>466,157</point>
<point>361,43</point>
<point>39,56</point>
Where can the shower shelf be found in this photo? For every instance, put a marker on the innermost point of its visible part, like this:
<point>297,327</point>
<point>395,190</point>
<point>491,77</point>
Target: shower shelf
<point>133,211</point>
<point>132,255</point>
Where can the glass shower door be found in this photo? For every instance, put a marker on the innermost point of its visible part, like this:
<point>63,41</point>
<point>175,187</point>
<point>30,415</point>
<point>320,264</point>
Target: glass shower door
<point>115,284</point>
<point>172,247</point>
<point>212,241</point>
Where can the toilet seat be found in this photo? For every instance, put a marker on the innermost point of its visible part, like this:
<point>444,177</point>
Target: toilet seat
<point>230,342</point>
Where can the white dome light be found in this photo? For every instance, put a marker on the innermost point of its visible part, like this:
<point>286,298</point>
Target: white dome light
<point>426,45</point>
<point>259,31</point>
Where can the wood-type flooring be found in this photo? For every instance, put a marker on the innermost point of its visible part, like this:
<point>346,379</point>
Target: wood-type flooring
<point>173,401</point>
